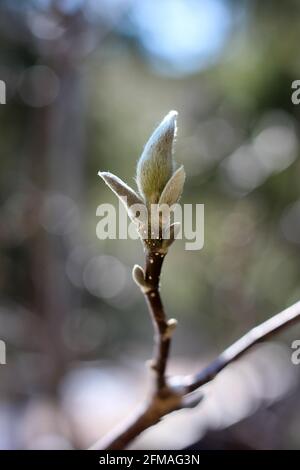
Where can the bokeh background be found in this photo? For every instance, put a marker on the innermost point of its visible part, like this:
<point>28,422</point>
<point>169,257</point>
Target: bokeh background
<point>87,81</point>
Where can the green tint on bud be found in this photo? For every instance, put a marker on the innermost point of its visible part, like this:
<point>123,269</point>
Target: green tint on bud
<point>158,183</point>
<point>156,165</point>
<point>174,187</point>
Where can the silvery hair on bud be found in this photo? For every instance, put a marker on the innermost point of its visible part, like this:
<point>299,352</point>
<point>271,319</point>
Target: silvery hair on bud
<point>155,166</point>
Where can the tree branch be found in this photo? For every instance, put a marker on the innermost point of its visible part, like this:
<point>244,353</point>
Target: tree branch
<point>254,336</point>
<point>162,404</point>
<point>164,398</point>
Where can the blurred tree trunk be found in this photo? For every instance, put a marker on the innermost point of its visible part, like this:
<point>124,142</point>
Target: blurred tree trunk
<point>56,166</point>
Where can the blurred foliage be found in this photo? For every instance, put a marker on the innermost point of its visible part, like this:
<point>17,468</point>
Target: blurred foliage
<point>84,93</point>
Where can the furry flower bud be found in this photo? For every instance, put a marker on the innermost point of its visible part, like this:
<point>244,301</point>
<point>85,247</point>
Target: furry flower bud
<point>156,164</point>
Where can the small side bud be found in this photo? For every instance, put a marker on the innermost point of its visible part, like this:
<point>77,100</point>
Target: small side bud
<point>150,363</point>
<point>138,275</point>
<point>192,400</point>
<point>171,326</point>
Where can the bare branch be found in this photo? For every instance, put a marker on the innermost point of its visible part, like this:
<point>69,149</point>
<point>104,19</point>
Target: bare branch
<point>164,398</point>
<point>162,404</point>
<point>254,336</point>
<point>147,416</point>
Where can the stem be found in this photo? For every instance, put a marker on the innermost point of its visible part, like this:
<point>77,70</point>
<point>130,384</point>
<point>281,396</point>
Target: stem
<point>166,399</point>
<point>143,419</point>
<point>154,263</point>
<point>258,334</point>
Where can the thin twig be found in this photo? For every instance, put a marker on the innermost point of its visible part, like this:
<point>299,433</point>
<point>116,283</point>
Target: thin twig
<point>164,399</point>
<point>254,336</point>
<point>154,261</point>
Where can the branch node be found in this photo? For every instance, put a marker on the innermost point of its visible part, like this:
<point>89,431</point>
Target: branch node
<point>192,400</point>
<point>151,364</point>
<point>171,326</point>
<point>138,276</point>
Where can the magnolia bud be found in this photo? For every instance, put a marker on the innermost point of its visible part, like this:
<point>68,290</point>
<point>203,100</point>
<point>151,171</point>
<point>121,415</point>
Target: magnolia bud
<point>158,184</point>
<point>156,164</point>
<point>173,189</point>
<point>124,192</point>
